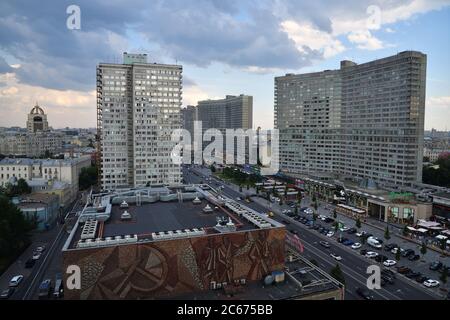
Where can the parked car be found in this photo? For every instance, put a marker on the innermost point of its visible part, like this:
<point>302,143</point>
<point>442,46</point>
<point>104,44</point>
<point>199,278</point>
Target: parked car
<point>324,244</point>
<point>356,245</point>
<point>371,254</point>
<point>360,234</point>
<point>347,242</point>
<point>7,293</point>
<point>336,256</point>
<point>58,291</point>
<point>328,220</point>
<point>394,251</point>
<point>40,249</point>
<point>364,293</point>
<point>413,274</point>
<point>408,252</point>
<point>330,234</point>
<point>316,227</point>
<point>389,279</point>
<point>36,255</point>
<point>414,257</point>
<point>363,252</point>
<point>388,272</point>
<point>403,270</point>
<point>293,231</point>
<point>341,239</point>
<point>430,283</point>
<point>390,246</point>
<point>389,263</point>
<point>374,243</point>
<point>30,263</point>
<point>16,280</point>
<point>422,279</point>
<point>45,289</point>
<point>344,228</point>
<point>436,265</point>
<point>285,221</point>
<point>381,258</point>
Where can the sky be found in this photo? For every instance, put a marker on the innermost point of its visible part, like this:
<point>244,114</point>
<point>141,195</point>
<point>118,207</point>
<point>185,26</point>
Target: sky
<point>225,47</point>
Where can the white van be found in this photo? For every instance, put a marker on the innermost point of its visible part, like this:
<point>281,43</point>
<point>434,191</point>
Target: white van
<point>373,243</point>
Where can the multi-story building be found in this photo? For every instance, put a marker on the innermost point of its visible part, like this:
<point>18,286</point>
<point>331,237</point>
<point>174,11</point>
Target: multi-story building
<point>360,122</point>
<point>45,208</point>
<point>46,175</point>
<point>233,112</point>
<point>138,107</point>
<point>37,120</point>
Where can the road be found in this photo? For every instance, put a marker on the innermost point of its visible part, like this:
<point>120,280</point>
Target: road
<point>353,265</point>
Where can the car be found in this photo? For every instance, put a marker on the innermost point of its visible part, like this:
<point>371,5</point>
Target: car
<point>381,258</point>
<point>270,214</point>
<point>36,255</point>
<point>436,265</point>
<point>45,289</point>
<point>285,221</point>
<point>7,293</point>
<point>321,229</point>
<point>389,279</point>
<point>363,252</point>
<point>238,198</point>
<point>414,257</point>
<point>316,227</point>
<point>394,251</point>
<point>40,249</point>
<point>336,256</point>
<point>356,245</point>
<point>360,234</point>
<point>328,220</point>
<point>390,246</point>
<point>408,252</point>
<point>324,244</point>
<point>16,280</point>
<point>352,230</point>
<point>388,272</point>
<point>364,293</point>
<point>30,263</point>
<point>341,239</point>
<point>389,263</point>
<point>297,218</point>
<point>422,279</point>
<point>430,283</point>
<point>293,231</point>
<point>403,270</point>
<point>330,234</point>
<point>344,228</point>
<point>348,242</point>
<point>371,254</point>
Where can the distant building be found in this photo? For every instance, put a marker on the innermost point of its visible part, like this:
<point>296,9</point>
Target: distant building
<point>359,122</point>
<point>434,154</point>
<point>37,120</point>
<point>138,108</point>
<point>43,207</point>
<point>46,176</point>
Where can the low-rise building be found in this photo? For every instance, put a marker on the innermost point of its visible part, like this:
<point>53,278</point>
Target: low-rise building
<point>45,208</point>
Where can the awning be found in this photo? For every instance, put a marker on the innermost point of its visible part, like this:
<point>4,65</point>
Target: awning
<point>422,230</point>
<point>411,228</point>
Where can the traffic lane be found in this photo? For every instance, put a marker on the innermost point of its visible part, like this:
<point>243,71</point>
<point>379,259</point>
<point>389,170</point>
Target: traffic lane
<point>352,262</point>
<point>401,285</point>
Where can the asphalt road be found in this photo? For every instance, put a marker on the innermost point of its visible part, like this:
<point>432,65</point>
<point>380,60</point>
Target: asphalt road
<point>353,265</point>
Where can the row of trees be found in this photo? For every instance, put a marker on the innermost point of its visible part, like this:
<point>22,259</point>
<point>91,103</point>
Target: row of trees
<point>15,189</point>
<point>241,178</point>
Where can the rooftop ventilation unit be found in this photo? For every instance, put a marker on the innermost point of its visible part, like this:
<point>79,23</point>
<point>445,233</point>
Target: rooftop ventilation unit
<point>89,229</point>
<point>124,204</point>
<point>125,215</point>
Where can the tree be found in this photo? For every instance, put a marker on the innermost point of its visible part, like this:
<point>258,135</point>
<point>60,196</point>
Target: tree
<point>423,249</point>
<point>88,177</point>
<point>17,189</point>
<point>444,275</point>
<point>405,231</point>
<point>314,198</point>
<point>296,209</point>
<point>334,213</point>
<point>336,273</point>
<point>358,223</point>
<point>387,236</point>
<point>363,239</point>
<point>15,231</point>
<point>336,226</point>
<point>212,168</point>
<point>398,255</point>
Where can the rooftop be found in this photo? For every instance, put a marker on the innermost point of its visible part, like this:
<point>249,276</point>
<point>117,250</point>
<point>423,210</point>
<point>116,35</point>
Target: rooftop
<point>302,280</point>
<point>165,213</point>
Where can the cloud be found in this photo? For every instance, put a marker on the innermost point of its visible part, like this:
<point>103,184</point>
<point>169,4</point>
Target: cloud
<point>365,40</point>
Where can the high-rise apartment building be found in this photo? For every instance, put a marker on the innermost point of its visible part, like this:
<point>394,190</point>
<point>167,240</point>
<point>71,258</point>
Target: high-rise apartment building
<point>361,121</point>
<point>233,112</point>
<point>138,107</point>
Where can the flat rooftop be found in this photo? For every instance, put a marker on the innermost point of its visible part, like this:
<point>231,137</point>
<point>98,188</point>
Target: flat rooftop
<point>303,280</point>
<point>160,220</point>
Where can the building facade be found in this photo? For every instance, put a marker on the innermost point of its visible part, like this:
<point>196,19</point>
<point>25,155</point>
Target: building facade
<point>37,120</point>
<point>45,208</point>
<point>138,107</point>
<point>360,122</point>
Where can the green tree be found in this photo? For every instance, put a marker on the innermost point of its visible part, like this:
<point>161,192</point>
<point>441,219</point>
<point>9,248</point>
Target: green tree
<point>423,249</point>
<point>17,189</point>
<point>358,223</point>
<point>88,177</point>
<point>336,227</point>
<point>15,231</point>
<point>387,235</point>
<point>337,273</point>
<point>212,168</point>
<point>439,176</point>
<point>398,255</point>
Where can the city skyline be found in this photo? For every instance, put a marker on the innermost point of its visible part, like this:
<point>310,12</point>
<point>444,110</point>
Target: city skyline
<point>41,60</point>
